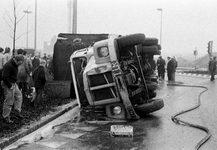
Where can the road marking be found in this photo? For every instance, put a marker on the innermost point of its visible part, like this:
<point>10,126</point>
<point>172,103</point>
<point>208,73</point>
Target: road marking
<point>52,144</point>
<point>85,128</point>
<point>71,135</point>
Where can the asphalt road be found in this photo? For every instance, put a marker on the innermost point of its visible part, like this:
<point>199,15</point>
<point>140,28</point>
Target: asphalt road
<point>154,132</point>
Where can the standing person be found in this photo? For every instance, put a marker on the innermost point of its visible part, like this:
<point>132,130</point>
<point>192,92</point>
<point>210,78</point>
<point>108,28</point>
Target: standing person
<point>45,57</point>
<point>7,54</point>
<point>39,78</point>
<point>23,74</point>
<point>161,67</point>
<point>35,62</point>
<point>12,94</point>
<point>170,69</point>
<point>2,62</point>
<point>175,63</point>
<point>212,68</point>
<point>19,52</point>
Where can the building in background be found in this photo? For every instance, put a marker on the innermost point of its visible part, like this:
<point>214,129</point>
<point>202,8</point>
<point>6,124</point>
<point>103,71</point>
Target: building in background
<point>49,45</point>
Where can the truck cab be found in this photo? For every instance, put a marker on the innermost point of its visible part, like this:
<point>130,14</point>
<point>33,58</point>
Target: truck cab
<point>115,74</point>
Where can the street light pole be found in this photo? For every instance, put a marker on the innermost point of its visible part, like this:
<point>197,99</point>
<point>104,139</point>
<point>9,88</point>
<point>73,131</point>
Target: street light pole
<point>35,25</point>
<point>161,10</point>
<point>27,30</point>
<point>74,21</point>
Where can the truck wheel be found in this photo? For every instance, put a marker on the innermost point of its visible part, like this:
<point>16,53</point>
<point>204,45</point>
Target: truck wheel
<point>159,47</point>
<point>153,79</point>
<point>151,85</point>
<point>149,107</point>
<point>150,42</point>
<point>130,40</point>
<point>149,49</point>
<point>154,52</point>
<point>157,53</point>
<point>152,94</point>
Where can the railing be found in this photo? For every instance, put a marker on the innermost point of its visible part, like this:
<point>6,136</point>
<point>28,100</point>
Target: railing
<point>192,70</point>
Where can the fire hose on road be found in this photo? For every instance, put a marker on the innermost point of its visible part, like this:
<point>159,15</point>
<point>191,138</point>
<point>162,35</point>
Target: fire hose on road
<point>181,122</point>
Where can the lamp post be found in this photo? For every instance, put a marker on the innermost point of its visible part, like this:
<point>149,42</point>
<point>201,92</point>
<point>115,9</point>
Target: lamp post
<point>161,10</point>
<point>27,28</point>
<point>35,25</point>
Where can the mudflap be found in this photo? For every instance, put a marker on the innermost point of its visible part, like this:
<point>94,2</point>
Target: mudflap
<point>151,106</point>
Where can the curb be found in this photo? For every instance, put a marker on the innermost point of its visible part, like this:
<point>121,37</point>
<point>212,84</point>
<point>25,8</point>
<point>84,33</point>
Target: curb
<point>195,75</point>
<point>13,139</point>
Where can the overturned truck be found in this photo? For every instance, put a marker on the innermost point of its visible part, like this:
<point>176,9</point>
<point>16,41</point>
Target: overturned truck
<point>115,73</point>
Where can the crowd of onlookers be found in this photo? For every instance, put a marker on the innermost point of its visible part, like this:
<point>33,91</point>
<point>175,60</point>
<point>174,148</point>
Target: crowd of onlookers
<point>171,66</point>
<point>163,66</point>
<point>22,76</point>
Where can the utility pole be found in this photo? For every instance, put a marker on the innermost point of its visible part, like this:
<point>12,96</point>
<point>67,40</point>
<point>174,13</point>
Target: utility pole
<point>35,44</point>
<point>161,22</point>
<point>27,28</point>
<point>69,16</point>
<point>74,26</point>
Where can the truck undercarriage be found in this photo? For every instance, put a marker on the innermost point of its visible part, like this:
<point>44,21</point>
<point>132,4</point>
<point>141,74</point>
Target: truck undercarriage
<point>115,73</point>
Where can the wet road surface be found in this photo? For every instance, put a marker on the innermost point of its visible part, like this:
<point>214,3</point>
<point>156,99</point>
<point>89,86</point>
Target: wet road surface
<point>154,132</point>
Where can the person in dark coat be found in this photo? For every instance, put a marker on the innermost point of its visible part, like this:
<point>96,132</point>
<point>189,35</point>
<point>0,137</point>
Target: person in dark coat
<point>2,62</point>
<point>23,74</point>
<point>212,68</point>
<point>39,78</point>
<point>35,62</point>
<point>12,94</point>
<point>175,66</point>
<point>170,69</point>
<point>161,67</point>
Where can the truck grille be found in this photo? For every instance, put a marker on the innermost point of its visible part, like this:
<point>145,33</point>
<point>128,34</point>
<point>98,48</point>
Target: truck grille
<point>102,88</point>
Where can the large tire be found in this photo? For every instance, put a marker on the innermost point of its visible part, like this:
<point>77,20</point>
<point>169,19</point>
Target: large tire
<point>130,40</point>
<point>153,105</point>
<point>154,52</point>
<point>153,79</point>
<point>150,49</point>
<point>150,42</point>
<point>152,86</point>
<point>152,94</point>
<point>159,47</point>
<point>157,53</point>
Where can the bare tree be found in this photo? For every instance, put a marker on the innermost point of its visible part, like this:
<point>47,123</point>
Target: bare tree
<point>12,23</point>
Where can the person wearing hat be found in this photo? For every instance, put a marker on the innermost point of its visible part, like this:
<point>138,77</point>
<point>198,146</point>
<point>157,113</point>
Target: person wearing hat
<point>23,74</point>
<point>175,65</point>
<point>12,94</point>
<point>212,68</point>
<point>39,77</point>
<point>35,62</point>
<point>170,68</point>
<point>161,67</point>
<point>2,62</point>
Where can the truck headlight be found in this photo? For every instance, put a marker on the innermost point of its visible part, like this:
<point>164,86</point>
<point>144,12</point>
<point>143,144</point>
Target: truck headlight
<point>103,51</point>
<point>117,110</point>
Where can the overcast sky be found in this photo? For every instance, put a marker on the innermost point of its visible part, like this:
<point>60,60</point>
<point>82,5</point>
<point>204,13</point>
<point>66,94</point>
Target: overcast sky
<point>187,24</point>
